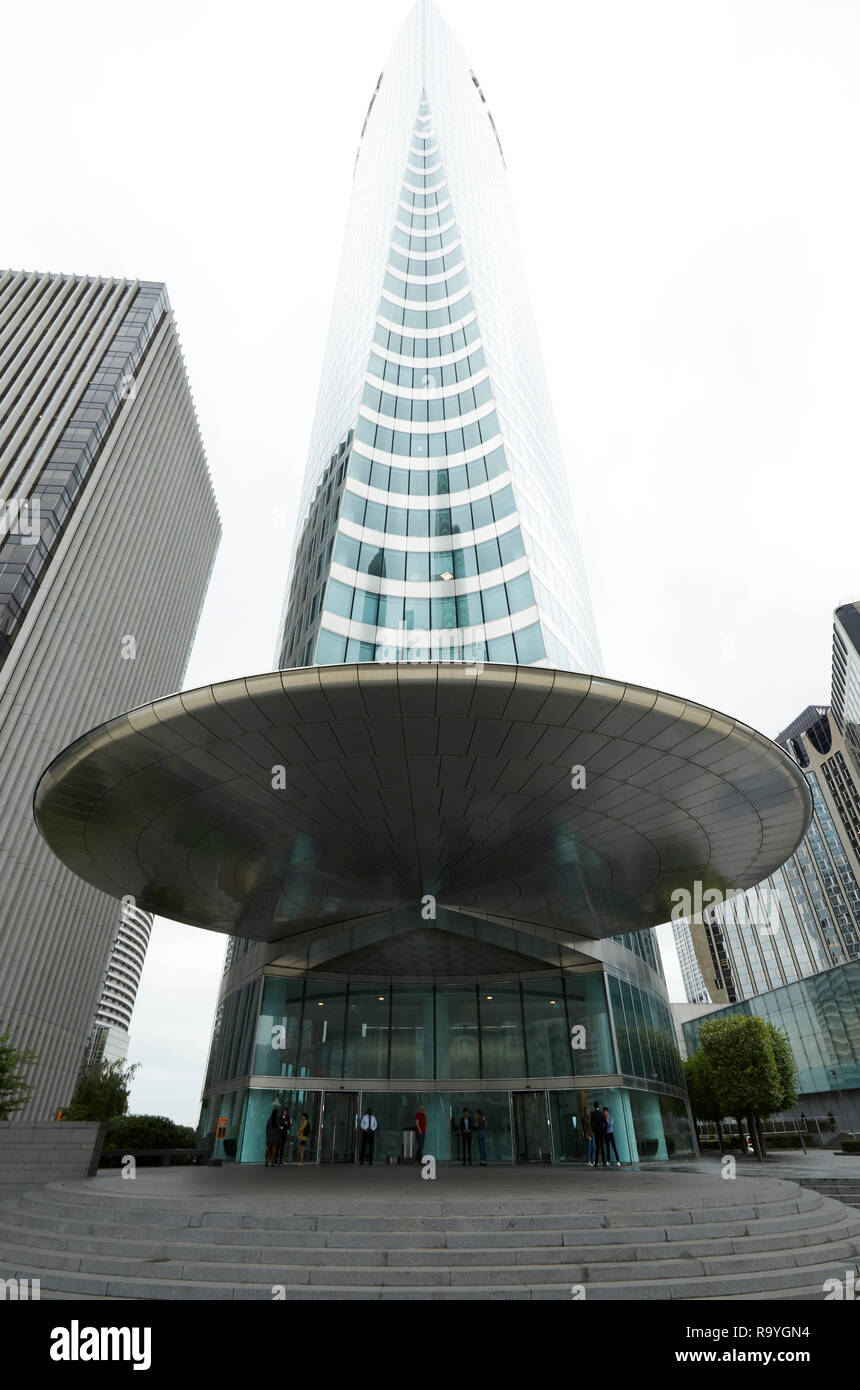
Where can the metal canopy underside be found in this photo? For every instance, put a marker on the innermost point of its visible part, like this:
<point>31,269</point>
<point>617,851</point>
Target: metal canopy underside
<point>403,781</point>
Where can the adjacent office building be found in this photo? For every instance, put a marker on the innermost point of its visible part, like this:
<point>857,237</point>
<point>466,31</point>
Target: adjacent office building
<point>109,1038</point>
<point>789,949</point>
<point>805,917</point>
<point>108,533</point>
<point>435,525</point>
<point>846,678</point>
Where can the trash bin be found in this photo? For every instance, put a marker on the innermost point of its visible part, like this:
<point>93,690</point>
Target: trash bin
<point>408,1143</point>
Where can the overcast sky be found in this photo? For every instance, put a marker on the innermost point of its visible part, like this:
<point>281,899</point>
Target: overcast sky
<point>685,180</point>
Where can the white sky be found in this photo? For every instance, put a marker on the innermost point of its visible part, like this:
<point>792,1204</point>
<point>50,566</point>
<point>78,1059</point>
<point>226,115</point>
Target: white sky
<point>685,179</point>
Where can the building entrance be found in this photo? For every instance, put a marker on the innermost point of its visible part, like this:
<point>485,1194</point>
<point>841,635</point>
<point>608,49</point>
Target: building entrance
<point>531,1127</point>
<point>337,1127</point>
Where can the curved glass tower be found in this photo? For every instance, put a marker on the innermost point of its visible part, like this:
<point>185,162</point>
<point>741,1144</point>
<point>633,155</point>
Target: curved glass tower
<point>435,525</point>
<point>435,522</point>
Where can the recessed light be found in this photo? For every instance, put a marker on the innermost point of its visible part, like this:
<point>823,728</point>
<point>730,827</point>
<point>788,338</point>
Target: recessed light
<point>446,575</point>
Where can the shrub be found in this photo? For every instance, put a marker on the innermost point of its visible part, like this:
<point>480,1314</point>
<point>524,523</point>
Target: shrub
<point>148,1132</point>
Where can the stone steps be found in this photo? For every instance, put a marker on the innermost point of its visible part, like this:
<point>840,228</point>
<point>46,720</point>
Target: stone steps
<point>781,1242</point>
<point>843,1189</point>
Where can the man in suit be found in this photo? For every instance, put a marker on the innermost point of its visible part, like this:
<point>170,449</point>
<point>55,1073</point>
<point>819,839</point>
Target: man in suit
<point>466,1126</point>
<point>368,1135</point>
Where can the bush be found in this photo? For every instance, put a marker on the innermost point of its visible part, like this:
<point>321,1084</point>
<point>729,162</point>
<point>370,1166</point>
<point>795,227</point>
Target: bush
<point>148,1132</point>
<point>786,1141</point>
<point>102,1091</point>
<point>850,1146</point>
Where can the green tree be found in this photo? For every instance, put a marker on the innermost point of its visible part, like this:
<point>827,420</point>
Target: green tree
<point>700,1088</point>
<point>102,1092</point>
<point>786,1066</point>
<point>746,1077</point>
<point>15,1091</point>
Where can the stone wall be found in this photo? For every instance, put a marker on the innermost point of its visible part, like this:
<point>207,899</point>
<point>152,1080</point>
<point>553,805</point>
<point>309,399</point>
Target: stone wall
<point>42,1151</point>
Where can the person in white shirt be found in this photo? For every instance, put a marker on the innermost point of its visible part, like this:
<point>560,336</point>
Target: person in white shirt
<point>368,1135</point>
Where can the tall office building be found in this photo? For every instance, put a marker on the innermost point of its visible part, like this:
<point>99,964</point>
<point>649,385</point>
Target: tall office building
<point>846,678</point>
<point>435,525</point>
<point>435,836</point>
<point>692,979</point>
<point>108,525</point>
<point>435,519</point>
<point>805,917</point>
<point>109,1038</point>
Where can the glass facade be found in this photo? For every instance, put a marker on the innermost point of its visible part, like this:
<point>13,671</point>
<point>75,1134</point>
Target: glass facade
<point>435,522</point>
<point>821,1016</point>
<point>542,1126</point>
<point>513,1048</point>
<point>435,526</point>
<point>806,916</point>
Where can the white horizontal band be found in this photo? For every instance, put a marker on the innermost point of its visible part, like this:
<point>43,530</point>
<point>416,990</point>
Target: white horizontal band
<point>427,393</point>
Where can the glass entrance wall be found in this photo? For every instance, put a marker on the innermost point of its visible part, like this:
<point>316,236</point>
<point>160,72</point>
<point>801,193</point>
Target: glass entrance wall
<point>260,1106</point>
<point>556,1026</point>
<point>544,1041</point>
<point>395,1112</point>
<point>539,1126</point>
<point>531,1127</point>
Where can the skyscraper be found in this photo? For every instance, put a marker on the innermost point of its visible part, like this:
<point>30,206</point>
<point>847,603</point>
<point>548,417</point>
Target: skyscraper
<point>109,1038</point>
<point>435,518</point>
<point>846,678</point>
<point>108,522</point>
<point>805,917</point>
<point>435,836</point>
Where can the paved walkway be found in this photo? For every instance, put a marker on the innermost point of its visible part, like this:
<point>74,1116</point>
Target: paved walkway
<point>667,1186</point>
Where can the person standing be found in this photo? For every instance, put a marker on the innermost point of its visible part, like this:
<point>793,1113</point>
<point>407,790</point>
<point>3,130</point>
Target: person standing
<point>598,1129</point>
<point>609,1138</point>
<point>420,1133</point>
<point>481,1131</point>
<point>368,1135</point>
<point>466,1127</point>
<point>283,1136</point>
<point>273,1134</point>
<point>303,1135</point>
<point>589,1138</point>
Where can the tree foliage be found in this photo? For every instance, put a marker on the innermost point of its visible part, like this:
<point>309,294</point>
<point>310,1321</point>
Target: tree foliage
<point>786,1066</point>
<point>743,1066</point>
<point>700,1088</point>
<point>15,1091</point>
<point>148,1132</point>
<point>102,1092</point>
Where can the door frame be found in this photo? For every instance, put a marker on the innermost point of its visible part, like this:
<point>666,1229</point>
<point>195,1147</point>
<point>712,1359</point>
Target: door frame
<point>534,1094</point>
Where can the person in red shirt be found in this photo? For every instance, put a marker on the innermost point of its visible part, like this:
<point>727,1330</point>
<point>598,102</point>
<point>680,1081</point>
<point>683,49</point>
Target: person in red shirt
<point>420,1133</point>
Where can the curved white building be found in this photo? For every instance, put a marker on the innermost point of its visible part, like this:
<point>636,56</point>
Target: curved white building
<point>435,501</point>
